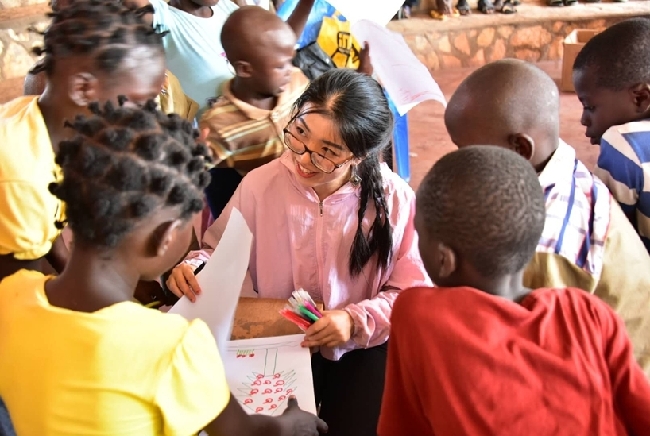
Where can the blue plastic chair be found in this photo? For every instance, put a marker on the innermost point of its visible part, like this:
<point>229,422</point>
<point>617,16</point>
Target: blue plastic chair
<point>6,427</point>
<point>401,158</point>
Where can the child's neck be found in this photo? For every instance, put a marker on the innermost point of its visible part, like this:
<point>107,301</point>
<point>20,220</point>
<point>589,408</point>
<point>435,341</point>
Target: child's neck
<point>55,114</point>
<point>192,8</point>
<point>243,92</point>
<point>90,282</point>
<point>509,287</point>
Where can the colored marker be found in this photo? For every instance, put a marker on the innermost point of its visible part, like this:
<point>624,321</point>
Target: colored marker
<point>313,309</point>
<point>308,314</point>
<point>295,319</point>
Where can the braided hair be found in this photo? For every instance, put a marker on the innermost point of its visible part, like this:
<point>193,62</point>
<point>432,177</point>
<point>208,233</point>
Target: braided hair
<point>106,30</point>
<point>123,165</point>
<point>358,107</point>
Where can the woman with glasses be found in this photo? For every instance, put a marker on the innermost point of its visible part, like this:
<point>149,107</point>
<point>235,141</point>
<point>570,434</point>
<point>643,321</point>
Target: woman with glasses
<point>328,217</point>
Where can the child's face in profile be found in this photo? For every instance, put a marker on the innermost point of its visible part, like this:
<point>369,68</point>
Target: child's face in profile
<point>273,67</point>
<point>602,107</point>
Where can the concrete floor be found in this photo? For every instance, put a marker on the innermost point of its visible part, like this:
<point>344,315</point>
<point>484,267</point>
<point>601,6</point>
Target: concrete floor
<point>429,140</point>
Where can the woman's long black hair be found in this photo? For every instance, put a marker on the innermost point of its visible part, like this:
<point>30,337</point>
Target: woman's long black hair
<point>358,107</point>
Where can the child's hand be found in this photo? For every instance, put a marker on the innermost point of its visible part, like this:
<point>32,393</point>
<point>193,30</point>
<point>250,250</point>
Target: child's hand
<point>297,422</point>
<point>365,66</point>
<point>182,281</point>
<point>334,328</point>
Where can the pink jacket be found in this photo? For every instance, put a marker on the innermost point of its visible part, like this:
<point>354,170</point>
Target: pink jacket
<point>302,243</point>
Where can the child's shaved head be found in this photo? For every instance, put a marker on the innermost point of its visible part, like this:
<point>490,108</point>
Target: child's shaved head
<point>248,31</point>
<point>260,47</point>
<point>504,99</point>
<point>487,205</point>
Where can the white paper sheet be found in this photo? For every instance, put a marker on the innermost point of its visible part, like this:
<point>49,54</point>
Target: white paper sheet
<point>406,79</point>
<point>378,11</point>
<point>221,281</point>
<point>263,372</point>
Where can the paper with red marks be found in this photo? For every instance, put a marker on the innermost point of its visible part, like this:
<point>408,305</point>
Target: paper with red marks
<point>262,373</point>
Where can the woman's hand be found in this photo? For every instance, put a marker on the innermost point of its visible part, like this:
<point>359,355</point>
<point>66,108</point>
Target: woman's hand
<point>182,281</point>
<point>334,328</point>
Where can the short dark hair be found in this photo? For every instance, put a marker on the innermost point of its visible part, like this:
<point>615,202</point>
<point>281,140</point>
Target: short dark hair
<point>359,108</point>
<point>486,203</point>
<point>618,57</point>
<point>103,29</point>
<point>123,165</point>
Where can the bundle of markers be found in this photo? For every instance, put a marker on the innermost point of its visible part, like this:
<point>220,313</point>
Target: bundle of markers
<point>301,310</point>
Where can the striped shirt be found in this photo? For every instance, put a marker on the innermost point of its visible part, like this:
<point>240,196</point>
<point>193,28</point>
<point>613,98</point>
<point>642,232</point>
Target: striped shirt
<point>245,137</point>
<point>624,166</point>
<point>577,212</point>
<point>588,243</point>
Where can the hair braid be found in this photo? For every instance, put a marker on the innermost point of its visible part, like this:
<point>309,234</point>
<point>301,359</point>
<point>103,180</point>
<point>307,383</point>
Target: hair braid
<point>123,165</point>
<point>104,29</point>
<point>379,238</point>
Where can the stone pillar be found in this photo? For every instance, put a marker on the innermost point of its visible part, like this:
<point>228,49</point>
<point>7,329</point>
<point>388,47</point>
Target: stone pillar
<point>17,42</point>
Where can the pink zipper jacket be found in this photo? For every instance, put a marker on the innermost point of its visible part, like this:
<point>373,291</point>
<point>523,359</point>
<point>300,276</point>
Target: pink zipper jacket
<point>300,242</point>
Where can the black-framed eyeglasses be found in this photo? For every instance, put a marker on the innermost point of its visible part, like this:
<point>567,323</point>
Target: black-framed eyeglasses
<point>318,160</point>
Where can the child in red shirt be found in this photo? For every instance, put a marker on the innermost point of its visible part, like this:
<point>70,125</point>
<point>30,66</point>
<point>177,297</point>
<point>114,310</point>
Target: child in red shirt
<point>481,354</point>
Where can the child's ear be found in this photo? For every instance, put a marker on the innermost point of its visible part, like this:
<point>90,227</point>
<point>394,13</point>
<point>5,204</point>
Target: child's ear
<point>243,69</point>
<point>447,260</point>
<point>164,236</point>
<point>82,89</point>
<point>641,97</point>
<point>522,144</point>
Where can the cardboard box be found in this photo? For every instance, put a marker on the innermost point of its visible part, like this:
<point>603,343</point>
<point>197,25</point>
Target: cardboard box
<point>572,46</point>
<point>260,318</point>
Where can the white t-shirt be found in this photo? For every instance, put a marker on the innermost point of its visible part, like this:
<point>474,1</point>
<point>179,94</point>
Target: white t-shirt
<point>193,48</point>
<point>266,4</point>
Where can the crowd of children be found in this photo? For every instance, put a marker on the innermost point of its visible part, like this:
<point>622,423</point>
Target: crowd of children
<point>539,321</point>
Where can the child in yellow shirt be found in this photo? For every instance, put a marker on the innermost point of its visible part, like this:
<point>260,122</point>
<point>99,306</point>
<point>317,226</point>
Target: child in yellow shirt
<point>78,356</point>
<point>94,51</point>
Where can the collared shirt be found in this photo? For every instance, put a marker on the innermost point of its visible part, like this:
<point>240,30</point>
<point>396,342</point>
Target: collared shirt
<point>245,137</point>
<point>28,210</point>
<point>624,166</point>
<point>587,243</point>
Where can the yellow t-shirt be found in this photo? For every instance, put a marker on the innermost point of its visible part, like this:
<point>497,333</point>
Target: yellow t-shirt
<point>123,370</point>
<point>28,211</point>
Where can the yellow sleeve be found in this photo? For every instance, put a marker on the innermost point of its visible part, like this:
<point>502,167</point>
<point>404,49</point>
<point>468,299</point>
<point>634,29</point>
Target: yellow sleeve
<point>625,283</point>
<point>193,391</point>
<point>28,215</point>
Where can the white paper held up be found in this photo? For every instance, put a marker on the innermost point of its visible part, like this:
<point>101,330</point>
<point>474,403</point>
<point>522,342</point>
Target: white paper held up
<point>262,374</point>
<point>377,11</point>
<point>221,281</point>
<point>406,79</point>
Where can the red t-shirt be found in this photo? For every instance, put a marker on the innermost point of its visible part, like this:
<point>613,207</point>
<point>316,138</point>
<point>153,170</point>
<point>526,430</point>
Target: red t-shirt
<point>463,362</point>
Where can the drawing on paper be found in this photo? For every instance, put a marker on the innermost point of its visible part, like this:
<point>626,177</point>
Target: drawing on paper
<point>263,374</point>
<point>266,391</point>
